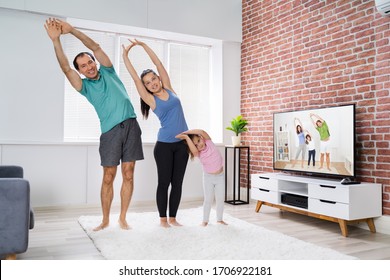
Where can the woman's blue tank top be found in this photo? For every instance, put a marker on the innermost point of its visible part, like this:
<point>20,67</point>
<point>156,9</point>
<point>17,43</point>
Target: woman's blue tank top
<point>171,116</point>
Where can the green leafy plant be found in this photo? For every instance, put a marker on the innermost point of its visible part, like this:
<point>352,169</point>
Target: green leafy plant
<point>238,125</point>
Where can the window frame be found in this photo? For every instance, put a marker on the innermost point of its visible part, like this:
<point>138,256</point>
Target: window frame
<point>215,71</point>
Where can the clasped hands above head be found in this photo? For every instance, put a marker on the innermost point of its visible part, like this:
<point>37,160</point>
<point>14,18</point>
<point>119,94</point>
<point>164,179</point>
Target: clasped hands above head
<point>59,25</point>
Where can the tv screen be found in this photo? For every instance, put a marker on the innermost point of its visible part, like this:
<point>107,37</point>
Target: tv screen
<point>317,141</point>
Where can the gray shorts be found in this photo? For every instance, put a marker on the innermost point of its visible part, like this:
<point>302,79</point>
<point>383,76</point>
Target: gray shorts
<point>122,143</point>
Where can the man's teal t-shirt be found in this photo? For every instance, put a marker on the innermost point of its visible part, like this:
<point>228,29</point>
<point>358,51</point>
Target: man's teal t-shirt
<point>109,98</point>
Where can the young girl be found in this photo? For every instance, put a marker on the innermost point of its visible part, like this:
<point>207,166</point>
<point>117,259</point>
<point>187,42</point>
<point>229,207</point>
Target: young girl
<point>201,146</point>
<point>311,149</point>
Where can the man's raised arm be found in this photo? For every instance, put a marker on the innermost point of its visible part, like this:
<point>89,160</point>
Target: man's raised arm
<point>53,29</point>
<point>98,52</point>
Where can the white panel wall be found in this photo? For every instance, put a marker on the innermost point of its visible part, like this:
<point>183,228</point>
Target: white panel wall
<point>31,83</point>
<point>12,4</point>
<point>231,90</point>
<point>71,174</point>
<point>57,174</point>
<point>128,12</point>
<point>219,19</point>
<point>32,88</point>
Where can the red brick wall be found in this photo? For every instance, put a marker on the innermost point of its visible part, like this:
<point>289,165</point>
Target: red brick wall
<point>305,54</point>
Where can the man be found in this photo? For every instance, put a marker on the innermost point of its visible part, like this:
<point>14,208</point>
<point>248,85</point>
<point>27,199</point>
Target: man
<point>121,134</point>
<point>323,130</point>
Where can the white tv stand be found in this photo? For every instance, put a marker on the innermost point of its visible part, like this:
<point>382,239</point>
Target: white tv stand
<point>320,198</point>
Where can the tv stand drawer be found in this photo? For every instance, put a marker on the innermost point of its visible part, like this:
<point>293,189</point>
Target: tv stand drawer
<point>329,208</point>
<point>264,195</point>
<point>329,192</point>
<point>264,182</point>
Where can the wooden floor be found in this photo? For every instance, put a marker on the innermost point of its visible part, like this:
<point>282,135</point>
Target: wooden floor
<point>58,236</point>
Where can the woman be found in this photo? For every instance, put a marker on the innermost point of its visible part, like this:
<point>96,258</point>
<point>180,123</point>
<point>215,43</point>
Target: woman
<point>170,153</point>
<point>301,145</point>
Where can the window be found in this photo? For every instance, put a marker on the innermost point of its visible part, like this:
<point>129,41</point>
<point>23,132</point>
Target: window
<point>189,67</point>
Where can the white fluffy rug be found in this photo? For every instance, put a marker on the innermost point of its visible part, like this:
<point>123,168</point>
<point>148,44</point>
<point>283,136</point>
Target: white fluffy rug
<point>239,240</point>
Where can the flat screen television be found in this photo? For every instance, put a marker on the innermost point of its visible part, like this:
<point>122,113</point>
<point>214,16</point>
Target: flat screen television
<point>316,141</point>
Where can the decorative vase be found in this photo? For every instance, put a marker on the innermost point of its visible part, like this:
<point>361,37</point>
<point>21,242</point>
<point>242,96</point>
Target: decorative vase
<point>236,140</point>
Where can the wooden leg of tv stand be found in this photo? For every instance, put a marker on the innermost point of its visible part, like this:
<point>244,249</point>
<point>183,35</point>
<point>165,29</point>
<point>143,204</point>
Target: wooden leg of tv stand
<point>342,223</point>
<point>371,225</point>
<point>343,227</point>
<point>258,205</point>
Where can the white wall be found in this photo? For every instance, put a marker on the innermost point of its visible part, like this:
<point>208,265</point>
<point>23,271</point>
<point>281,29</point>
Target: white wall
<point>218,19</point>
<point>63,174</point>
<point>32,88</point>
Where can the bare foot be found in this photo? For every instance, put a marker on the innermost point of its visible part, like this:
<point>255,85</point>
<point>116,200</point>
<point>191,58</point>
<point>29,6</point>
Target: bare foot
<point>173,222</point>
<point>101,226</point>
<point>222,223</point>
<point>204,224</point>
<point>164,223</point>
<point>124,224</point>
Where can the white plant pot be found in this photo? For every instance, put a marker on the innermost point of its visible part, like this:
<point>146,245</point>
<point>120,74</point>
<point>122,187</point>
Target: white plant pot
<point>236,140</point>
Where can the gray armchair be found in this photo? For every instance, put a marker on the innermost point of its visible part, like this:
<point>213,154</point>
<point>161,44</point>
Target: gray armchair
<point>16,215</point>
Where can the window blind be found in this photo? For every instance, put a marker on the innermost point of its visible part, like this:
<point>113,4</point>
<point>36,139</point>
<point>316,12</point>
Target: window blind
<point>189,70</point>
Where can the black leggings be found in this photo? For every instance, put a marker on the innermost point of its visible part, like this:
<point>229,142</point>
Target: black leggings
<point>171,160</point>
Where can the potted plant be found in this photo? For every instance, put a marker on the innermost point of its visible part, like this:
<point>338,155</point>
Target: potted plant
<point>237,125</point>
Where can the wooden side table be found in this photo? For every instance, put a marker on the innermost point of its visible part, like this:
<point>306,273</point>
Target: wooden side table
<point>237,150</point>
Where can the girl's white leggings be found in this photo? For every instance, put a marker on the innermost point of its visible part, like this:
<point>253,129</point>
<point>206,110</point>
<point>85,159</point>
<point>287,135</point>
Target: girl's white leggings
<point>213,186</point>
